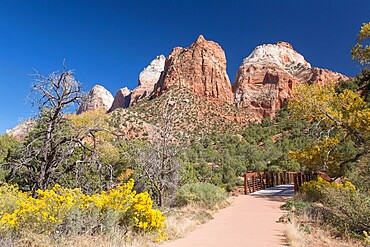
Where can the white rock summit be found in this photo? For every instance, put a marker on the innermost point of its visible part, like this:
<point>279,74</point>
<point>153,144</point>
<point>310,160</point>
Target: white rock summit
<point>21,130</point>
<point>97,98</point>
<point>147,79</point>
<point>281,55</point>
<point>151,74</point>
<point>268,75</point>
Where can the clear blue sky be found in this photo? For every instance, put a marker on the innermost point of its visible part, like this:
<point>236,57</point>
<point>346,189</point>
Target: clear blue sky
<point>109,42</point>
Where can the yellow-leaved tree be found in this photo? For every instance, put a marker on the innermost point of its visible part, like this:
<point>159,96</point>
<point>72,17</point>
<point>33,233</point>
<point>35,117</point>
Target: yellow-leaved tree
<point>94,129</point>
<point>340,122</point>
<point>361,51</point>
<point>99,167</point>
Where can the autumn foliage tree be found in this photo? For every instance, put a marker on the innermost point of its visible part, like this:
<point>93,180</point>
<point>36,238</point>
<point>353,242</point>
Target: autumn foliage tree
<point>361,51</point>
<point>340,122</point>
<point>339,116</point>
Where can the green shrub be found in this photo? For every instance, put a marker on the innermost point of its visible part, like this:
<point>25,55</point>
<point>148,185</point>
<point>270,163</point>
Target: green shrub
<point>346,209</point>
<point>203,194</point>
<point>298,203</point>
<point>350,211</point>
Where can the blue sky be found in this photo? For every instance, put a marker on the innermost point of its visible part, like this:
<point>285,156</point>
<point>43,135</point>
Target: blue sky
<point>109,42</point>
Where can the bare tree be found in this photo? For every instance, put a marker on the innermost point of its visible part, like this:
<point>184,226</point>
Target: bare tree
<point>160,163</point>
<point>50,147</point>
<point>51,142</point>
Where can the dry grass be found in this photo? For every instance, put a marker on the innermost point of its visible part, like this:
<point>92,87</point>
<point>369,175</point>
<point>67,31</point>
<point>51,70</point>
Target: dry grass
<point>184,220</point>
<point>294,236</point>
<point>114,239</point>
<point>298,235</point>
<point>178,226</point>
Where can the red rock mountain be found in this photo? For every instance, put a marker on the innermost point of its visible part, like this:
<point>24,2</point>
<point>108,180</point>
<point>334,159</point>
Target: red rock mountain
<point>201,68</point>
<point>148,78</point>
<point>262,85</point>
<point>122,99</point>
<point>267,76</point>
<point>21,130</point>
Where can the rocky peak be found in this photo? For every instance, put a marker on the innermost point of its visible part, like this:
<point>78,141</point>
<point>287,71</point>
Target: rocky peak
<point>147,80</point>
<point>150,75</point>
<point>122,99</point>
<point>285,44</point>
<point>97,98</point>
<point>280,55</point>
<point>200,39</point>
<point>268,75</point>
<point>201,68</point>
<point>21,130</point>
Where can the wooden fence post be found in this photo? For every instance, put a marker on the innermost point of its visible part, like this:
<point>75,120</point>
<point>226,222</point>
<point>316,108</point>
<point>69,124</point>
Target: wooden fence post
<point>245,184</point>
<point>253,184</point>
<point>261,181</point>
<point>295,180</point>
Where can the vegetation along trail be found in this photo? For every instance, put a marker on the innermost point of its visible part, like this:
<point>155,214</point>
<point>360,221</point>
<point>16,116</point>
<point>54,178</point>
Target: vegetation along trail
<point>251,220</point>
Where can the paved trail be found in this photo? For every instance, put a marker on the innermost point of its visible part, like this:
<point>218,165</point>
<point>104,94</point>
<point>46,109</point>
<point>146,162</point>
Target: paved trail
<point>251,220</point>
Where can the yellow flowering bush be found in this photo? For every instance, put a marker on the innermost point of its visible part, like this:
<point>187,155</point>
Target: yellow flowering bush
<point>61,209</point>
<point>314,189</point>
<point>366,238</point>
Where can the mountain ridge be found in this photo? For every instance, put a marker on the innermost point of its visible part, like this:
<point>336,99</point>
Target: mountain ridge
<point>262,85</point>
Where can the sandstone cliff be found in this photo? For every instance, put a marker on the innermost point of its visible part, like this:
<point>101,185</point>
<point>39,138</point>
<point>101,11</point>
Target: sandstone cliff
<point>147,79</point>
<point>97,98</point>
<point>122,99</point>
<point>267,76</point>
<point>21,130</point>
<point>201,68</point>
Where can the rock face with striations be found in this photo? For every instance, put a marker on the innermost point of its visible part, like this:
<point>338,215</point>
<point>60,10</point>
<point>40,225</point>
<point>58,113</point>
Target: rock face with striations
<point>148,78</point>
<point>201,68</point>
<point>266,78</point>
<point>147,81</point>
<point>21,131</point>
<point>97,98</point>
<point>122,99</point>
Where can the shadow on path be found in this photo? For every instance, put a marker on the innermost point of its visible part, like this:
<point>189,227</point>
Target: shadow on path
<point>281,190</point>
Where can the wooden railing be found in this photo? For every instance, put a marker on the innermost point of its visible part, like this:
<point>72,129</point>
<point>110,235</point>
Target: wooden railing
<point>255,181</point>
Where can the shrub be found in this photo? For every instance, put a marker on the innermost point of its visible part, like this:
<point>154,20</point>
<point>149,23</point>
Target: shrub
<point>296,202</point>
<point>204,194</point>
<point>366,237</point>
<point>346,209</point>
<point>349,211</point>
<point>70,211</point>
<point>313,190</point>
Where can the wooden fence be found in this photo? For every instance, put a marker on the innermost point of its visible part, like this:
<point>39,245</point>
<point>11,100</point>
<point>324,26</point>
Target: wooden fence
<point>255,181</point>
